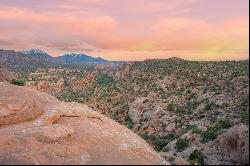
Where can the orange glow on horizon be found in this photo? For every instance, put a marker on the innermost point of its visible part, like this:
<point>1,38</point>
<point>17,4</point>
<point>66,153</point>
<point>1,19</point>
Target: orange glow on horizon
<point>162,29</point>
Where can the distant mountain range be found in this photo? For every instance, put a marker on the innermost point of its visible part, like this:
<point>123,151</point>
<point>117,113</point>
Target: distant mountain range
<point>35,52</point>
<point>32,59</point>
<point>80,57</point>
<point>35,58</point>
<point>73,57</point>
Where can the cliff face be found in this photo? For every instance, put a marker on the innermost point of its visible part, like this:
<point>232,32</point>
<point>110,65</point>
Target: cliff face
<point>35,128</point>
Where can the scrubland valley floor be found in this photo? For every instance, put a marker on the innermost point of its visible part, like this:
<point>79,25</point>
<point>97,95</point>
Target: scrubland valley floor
<point>190,112</point>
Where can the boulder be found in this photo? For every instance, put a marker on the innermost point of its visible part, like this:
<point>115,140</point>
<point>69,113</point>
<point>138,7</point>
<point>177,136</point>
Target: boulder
<point>136,109</point>
<point>231,147</point>
<point>235,143</point>
<point>36,128</point>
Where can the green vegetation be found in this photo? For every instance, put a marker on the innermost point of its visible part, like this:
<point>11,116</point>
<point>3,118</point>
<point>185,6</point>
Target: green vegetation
<point>196,158</point>
<point>224,124</point>
<point>18,82</point>
<point>173,108</point>
<point>128,122</point>
<point>209,106</point>
<point>109,100</point>
<point>182,144</point>
<point>69,97</point>
<point>212,132</point>
<point>192,105</point>
<point>244,116</point>
<point>77,96</point>
<point>160,142</point>
<point>194,129</point>
<point>146,101</point>
<point>104,80</point>
<point>244,110</point>
<point>209,135</point>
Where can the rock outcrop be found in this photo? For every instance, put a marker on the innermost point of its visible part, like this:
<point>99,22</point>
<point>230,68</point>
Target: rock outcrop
<point>5,75</point>
<point>36,128</point>
<point>231,147</point>
<point>136,110</point>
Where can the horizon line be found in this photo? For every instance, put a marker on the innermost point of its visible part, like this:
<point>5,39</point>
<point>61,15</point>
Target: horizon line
<point>128,60</point>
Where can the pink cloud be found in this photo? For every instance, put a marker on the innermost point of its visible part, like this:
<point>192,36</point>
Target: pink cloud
<point>121,30</point>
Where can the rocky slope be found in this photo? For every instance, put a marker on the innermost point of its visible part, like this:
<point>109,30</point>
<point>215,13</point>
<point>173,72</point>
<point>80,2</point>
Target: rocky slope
<point>36,128</point>
<point>5,75</point>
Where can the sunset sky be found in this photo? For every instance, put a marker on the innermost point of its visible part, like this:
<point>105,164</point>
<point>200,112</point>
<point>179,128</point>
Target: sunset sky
<point>128,29</point>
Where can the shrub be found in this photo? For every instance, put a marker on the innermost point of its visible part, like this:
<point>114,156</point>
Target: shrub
<point>196,158</point>
<point>188,91</point>
<point>171,158</point>
<point>224,124</point>
<point>201,116</point>
<point>129,122</point>
<point>173,108</point>
<point>193,96</point>
<point>195,129</point>
<point>182,144</point>
<point>145,101</point>
<point>211,105</point>
<point>208,107</point>
<point>165,149</point>
<point>209,135</point>
<point>244,116</point>
<point>192,105</point>
<point>146,136</point>
<point>104,80</point>
<point>18,82</point>
<point>171,136</point>
<point>205,90</point>
<point>69,97</point>
<point>177,121</point>
<point>160,143</point>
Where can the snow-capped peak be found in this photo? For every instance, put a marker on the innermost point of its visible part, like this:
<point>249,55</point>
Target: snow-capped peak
<point>35,51</point>
<point>74,55</point>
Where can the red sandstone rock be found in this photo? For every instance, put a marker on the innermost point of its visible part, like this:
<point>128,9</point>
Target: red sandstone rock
<point>38,129</point>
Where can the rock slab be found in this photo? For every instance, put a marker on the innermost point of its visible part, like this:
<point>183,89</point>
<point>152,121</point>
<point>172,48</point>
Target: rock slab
<point>36,128</point>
